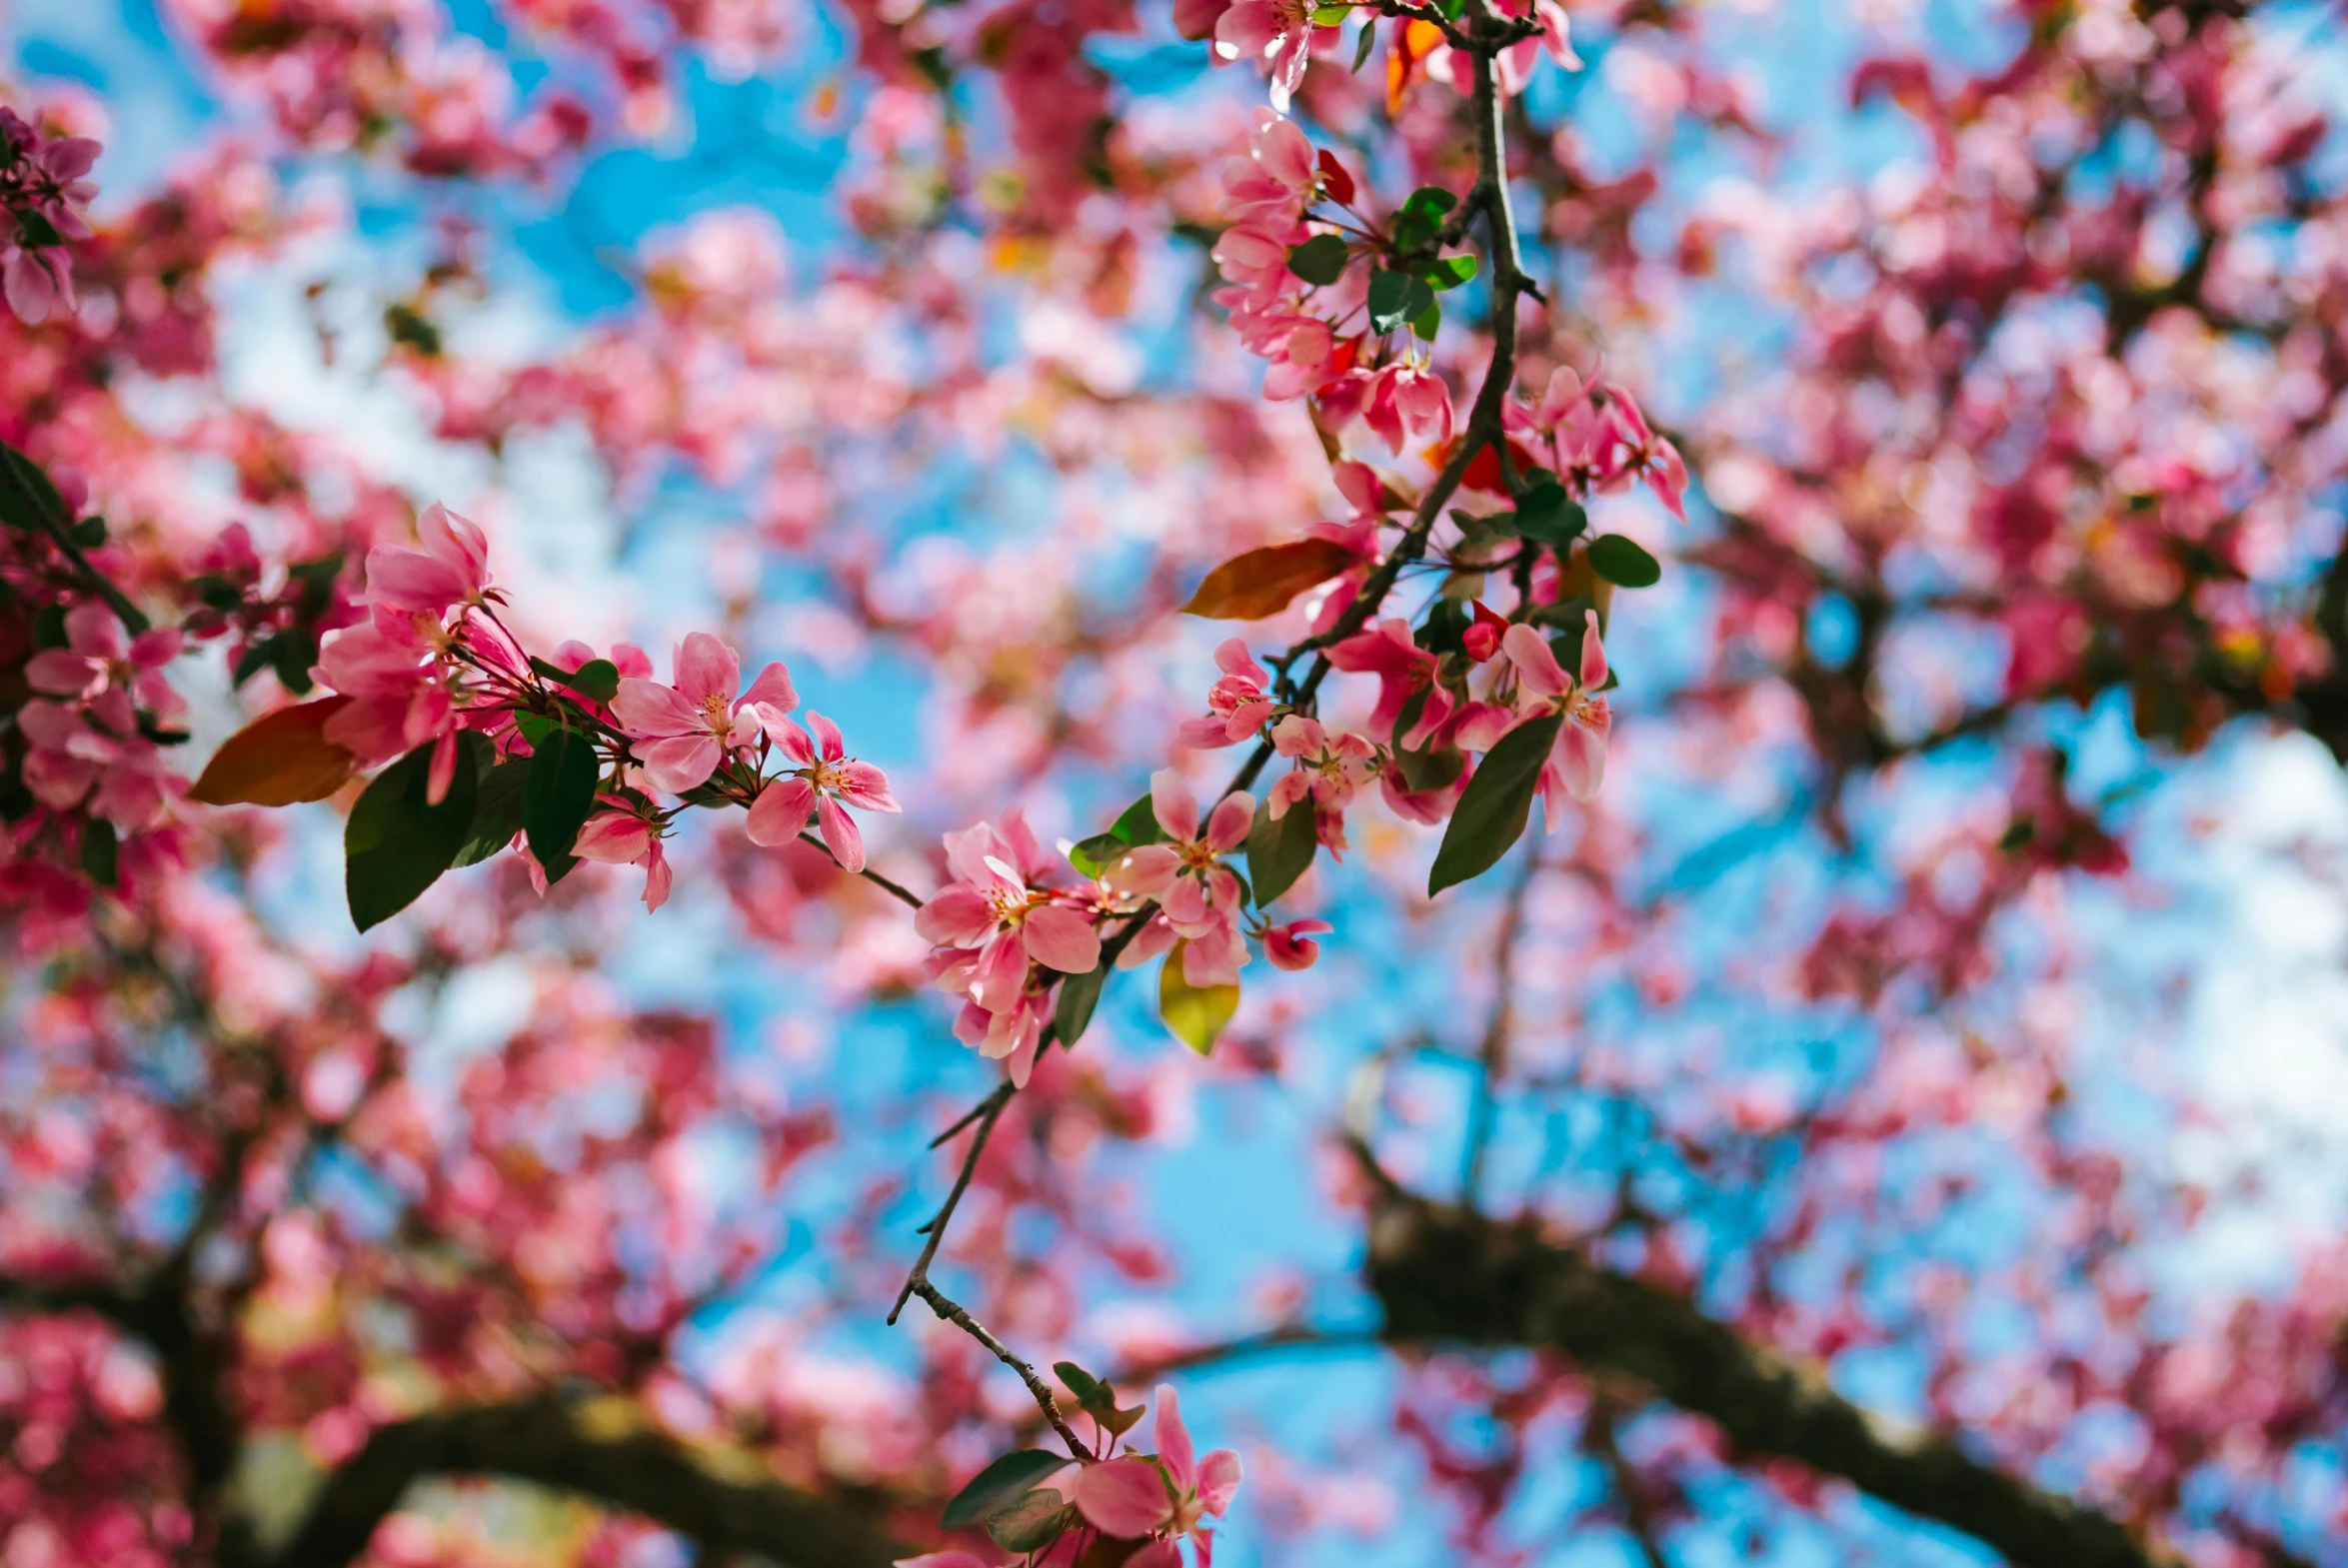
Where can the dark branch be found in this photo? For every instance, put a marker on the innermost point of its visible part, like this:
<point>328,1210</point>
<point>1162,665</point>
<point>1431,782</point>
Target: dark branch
<point>723,1498</point>
<point>1449,1276</point>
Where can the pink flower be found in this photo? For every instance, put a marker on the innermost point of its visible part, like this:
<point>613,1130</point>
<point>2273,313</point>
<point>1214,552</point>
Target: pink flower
<point>33,280</point>
<point>620,837</point>
<point>103,666</point>
<point>1326,773</point>
<point>1407,403</point>
<point>1162,1497</point>
<point>694,724</point>
<point>400,694</point>
<point>1649,455</point>
<point>1236,706</point>
<point>994,926</point>
<point>824,779</point>
<point>1290,947</point>
<point>451,569</point>
<point>1279,29</point>
<point>1578,762</point>
<point>1199,894</point>
<point>1404,669</point>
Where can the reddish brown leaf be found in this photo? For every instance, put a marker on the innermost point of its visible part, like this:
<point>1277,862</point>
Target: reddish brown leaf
<point>1261,582</point>
<point>278,759</point>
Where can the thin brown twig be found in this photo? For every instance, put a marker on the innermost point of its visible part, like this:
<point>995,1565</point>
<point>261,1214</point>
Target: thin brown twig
<point>60,533</point>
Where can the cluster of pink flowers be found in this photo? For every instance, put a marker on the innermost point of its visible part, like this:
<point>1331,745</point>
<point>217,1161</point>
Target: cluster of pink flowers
<point>1599,440</point>
<point>1159,1499</point>
<point>41,185</point>
<point>434,660</point>
<point>85,746</point>
<point>1283,35</point>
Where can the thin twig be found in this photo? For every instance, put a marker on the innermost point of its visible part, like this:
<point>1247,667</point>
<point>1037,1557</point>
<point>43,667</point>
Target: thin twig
<point>898,890</point>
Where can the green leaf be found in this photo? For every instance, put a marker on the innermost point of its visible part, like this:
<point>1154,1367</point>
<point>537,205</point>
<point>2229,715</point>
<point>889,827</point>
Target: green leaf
<point>497,812</point>
<point>1079,1382</point>
<point>1429,769</point>
<point>1320,260</point>
<point>1031,1522</point>
<point>557,797</point>
<point>1196,1013</point>
<point>1492,811</point>
<point>1367,43</point>
<point>1279,852</point>
<point>1098,853</point>
<point>1072,1013</point>
<point>1624,563</point>
<point>1138,823</point>
<point>1547,515</point>
<point>396,843</point>
<point>1389,295</point>
<point>101,851</point>
<point>90,532</point>
<point>1331,15</point>
<point>535,726</point>
<point>16,510</point>
<point>34,228</point>
<point>1421,216</point>
<point>598,679</point>
<point>291,655</point>
<point>1448,271</point>
<point>1429,320</point>
<point>1006,1480</point>
<point>254,660</point>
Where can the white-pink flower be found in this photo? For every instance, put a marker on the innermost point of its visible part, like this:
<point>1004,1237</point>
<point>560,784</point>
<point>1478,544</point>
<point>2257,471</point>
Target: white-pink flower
<point>826,778</point>
<point>1277,30</point>
<point>1328,772</point>
<point>691,726</point>
<point>1199,894</point>
<point>619,836</point>
<point>1577,761</point>
<point>451,569</point>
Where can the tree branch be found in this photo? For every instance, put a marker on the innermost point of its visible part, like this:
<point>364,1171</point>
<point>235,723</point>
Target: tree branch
<point>1447,1275</point>
<point>723,1497</point>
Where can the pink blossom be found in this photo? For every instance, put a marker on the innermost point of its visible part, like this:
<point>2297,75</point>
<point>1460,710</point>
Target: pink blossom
<point>620,837</point>
<point>1409,403</point>
<point>1578,762</point>
<point>695,723</point>
<point>1236,706</point>
<point>824,779</point>
<point>104,667</point>
<point>451,569</point>
<point>1278,30</point>
<point>1328,772</point>
<point>1199,894</point>
<point>1290,947</point>
<point>1165,1496</point>
<point>993,926</point>
<point>1404,669</point>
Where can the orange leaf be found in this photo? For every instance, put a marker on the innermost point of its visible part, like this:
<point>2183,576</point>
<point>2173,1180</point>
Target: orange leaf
<point>1261,582</point>
<point>278,759</point>
<point>1414,42</point>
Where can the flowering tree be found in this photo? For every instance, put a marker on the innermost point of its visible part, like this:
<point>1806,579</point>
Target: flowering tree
<point>1738,1134</point>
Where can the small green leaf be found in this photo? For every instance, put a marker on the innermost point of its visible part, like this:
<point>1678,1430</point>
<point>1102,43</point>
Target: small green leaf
<point>396,843</point>
<point>293,653</point>
<point>34,228</point>
<point>1390,297</point>
<point>90,532</point>
<point>1624,563</point>
<point>1320,260</point>
<point>1448,271</point>
<point>1098,853</point>
<point>1279,852</point>
<point>1367,43</point>
<point>597,679</point>
<point>1421,216</point>
<point>1138,823</point>
<point>1429,320</point>
<point>1546,516</point>
<point>17,510</point>
<point>252,660</point>
<point>497,812</point>
<point>101,851</point>
<point>535,726</point>
<point>1196,1013</point>
<point>1072,1013</point>
<point>1429,769</point>
<point>557,796</point>
<point>1076,1381</point>
<point>1006,1480</point>
<point>1493,808</point>
<point>1331,15</point>
<point>1031,1522</point>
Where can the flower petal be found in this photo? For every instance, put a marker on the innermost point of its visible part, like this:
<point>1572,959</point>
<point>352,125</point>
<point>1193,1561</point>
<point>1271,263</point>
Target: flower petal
<point>1061,938</point>
<point>1593,653</point>
<point>1536,668</point>
<point>1176,807</point>
<point>707,667</point>
<point>780,812</point>
<point>1228,828</point>
<point>1173,1440</point>
<point>651,709</point>
<point>840,835</point>
<point>1123,1497</point>
<point>678,763</point>
<point>773,686</point>
<point>1219,1472</point>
